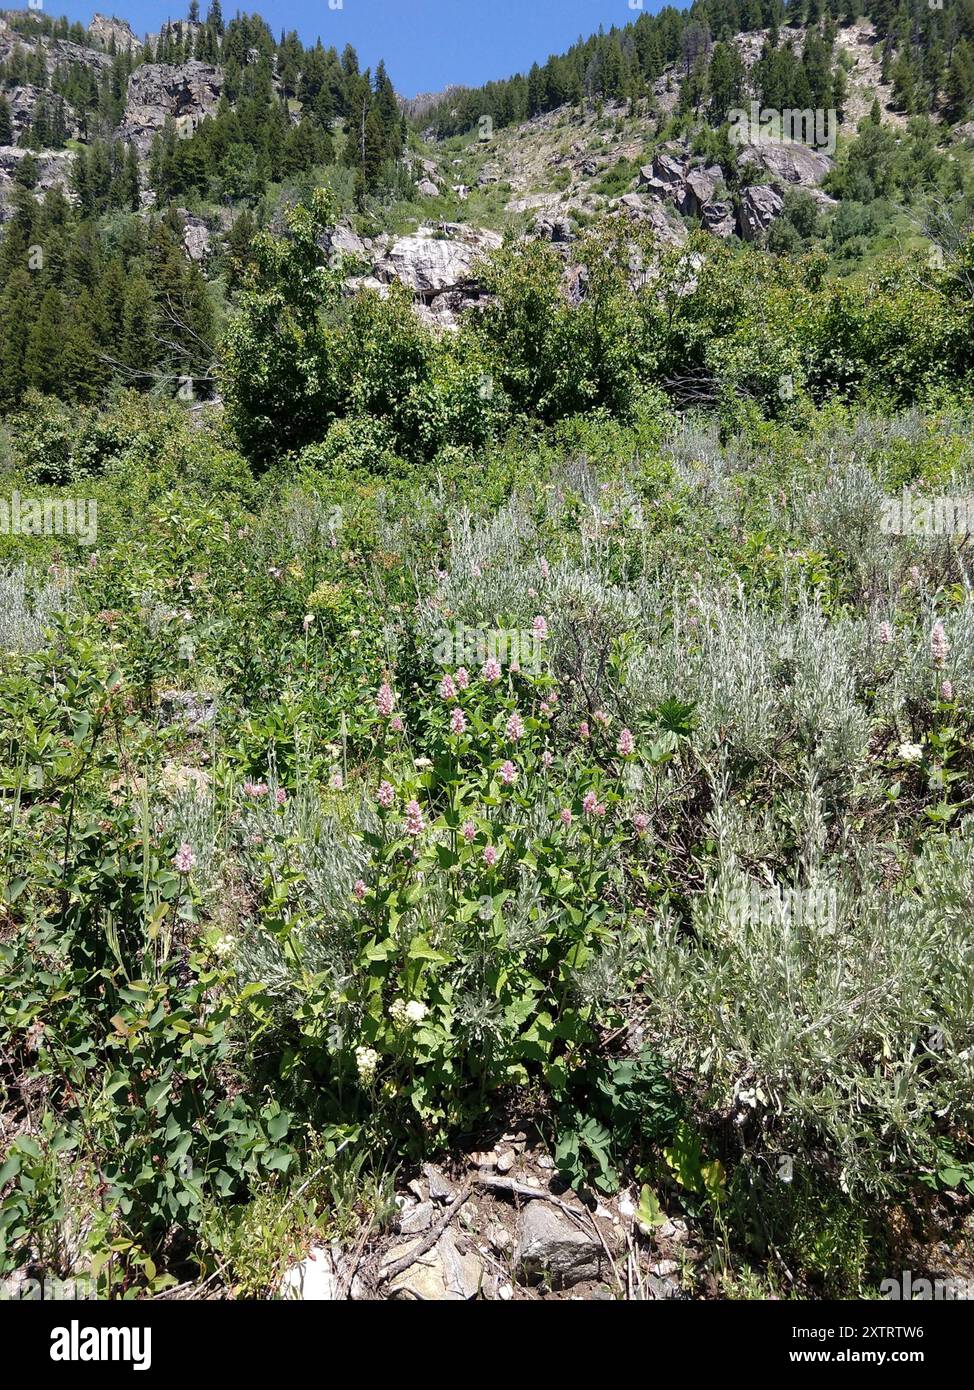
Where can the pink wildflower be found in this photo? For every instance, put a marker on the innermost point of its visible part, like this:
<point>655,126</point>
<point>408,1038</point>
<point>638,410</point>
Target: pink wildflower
<point>515,728</point>
<point>386,795</point>
<point>336,782</point>
<point>184,859</point>
<point>385,700</point>
<point>884,633</point>
<point>584,732</point>
<point>462,678</point>
<point>626,745</point>
<point>544,567</point>
<point>947,691</point>
<point>490,856</point>
<point>359,888</point>
<point>939,646</point>
<point>458,722</point>
<point>469,831</point>
<point>566,816</point>
<point>491,671</point>
<point>589,802</point>
<point>508,773</point>
<point>540,627</point>
<point>280,796</point>
<point>414,818</point>
<point>447,689</point>
<point>255,790</point>
<point>640,820</point>
<point>396,724</point>
<point>547,758</point>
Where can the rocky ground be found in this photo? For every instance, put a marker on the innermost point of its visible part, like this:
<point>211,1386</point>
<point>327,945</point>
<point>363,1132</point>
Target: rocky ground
<point>499,1225</point>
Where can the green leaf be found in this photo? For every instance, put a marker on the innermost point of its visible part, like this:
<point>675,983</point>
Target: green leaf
<point>649,1213</point>
<point>420,949</point>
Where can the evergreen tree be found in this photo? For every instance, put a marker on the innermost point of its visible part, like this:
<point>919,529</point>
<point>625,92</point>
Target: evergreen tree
<point>16,316</point>
<point>83,372</point>
<point>43,360</point>
<point>137,345</point>
<point>959,87</point>
<point>725,80</point>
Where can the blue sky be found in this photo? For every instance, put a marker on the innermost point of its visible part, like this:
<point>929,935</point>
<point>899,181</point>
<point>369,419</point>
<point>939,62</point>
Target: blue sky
<point>426,43</point>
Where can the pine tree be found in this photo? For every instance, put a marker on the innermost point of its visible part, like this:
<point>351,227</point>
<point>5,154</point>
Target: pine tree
<point>108,309</point>
<point>238,242</point>
<point>16,317</point>
<point>83,372</point>
<point>43,360</point>
<point>130,179</point>
<point>959,87</point>
<point>136,348</point>
<point>726,81</point>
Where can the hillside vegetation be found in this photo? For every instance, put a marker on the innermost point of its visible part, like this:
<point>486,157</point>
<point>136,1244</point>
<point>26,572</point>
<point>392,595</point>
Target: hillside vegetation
<point>521,758</point>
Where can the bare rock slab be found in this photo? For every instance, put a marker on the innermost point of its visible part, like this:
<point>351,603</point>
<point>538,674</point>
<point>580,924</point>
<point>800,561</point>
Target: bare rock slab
<point>551,1246</point>
<point>442,1275</point>
<point>314,1280</point>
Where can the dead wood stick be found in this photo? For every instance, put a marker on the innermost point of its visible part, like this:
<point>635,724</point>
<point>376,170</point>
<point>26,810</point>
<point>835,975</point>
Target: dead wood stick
<point>398,1266</point>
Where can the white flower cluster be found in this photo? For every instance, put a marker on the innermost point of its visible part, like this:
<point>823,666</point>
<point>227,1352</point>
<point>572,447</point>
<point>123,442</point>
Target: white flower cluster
<point>367,1062</point>
<point>404,1013</point>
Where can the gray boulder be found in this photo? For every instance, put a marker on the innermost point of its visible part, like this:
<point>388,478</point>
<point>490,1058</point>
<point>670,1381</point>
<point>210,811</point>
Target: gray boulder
<point>104,30</point>
<point>193,710</point>
<point>555,229</point>
<point>700,188</point>
<point>665,177</point>
<point>59,52</point>
<point>53,171</point>
<point>23,101</point>
<point>718,218</point>
<point>760,205</point>
<point>341,240</point>
<point>550,1245</point>
<point>160,91</point>
<point>787,162</point>
<point>196,236</point>
<point>438,257</point>
<point>640,209</point>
